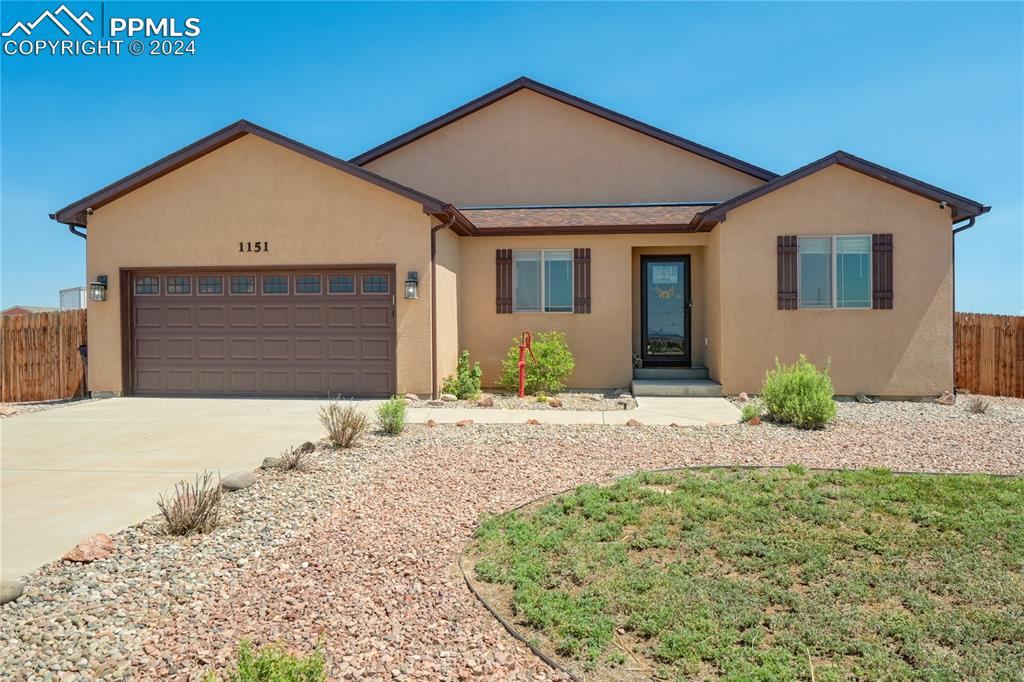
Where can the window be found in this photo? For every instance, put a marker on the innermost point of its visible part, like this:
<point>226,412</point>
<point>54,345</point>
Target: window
<point>834,272</point>
<point>275,284</point>
<point>542,280</point>
<point>307,284</point>
<point>211,284</point>
<point>341,284</point>
<point>179,284</point>
<point>147,286</point>
<point>243,284</point>
<point>375,284</point>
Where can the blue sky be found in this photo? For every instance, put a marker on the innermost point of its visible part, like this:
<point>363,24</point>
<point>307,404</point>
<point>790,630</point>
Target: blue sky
<point>932,90</point>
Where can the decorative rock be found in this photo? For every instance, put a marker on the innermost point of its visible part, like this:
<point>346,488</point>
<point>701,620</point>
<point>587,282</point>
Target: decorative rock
<point>633,422</point>
<point>754,421</point>
<point>270,463</point>
<point>625,396</point>
<point>625,402</point>
<point>411,396</point>
<point>98,546</point>
<point>486,401</point>
<point>307,447</point>
<point>742,397</point>
<point>430,423</point>
<point>434,403</point>
<point>242,479</point>
<point>861,398</point>
<point>10,590</point>
<point>449,397</point>
<point>946,398</point>
<point>532,422</point>
<point>7,410</point>
<point>555,402</point>
<point>464,422</point>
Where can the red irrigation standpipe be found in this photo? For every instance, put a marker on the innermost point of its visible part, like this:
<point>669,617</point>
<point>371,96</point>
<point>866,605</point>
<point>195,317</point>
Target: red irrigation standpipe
<point>526,344</point>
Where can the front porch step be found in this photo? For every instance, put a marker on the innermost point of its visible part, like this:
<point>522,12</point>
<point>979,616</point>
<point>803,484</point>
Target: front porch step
<point>670,373</point>
<point>677,388</point>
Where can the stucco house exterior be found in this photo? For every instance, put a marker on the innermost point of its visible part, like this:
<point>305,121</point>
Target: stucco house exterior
<point>251,264</point>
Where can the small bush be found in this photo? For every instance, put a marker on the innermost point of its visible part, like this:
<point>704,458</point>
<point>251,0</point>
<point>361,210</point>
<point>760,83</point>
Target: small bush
<point>293,459</point>
<point>194,507</point>
<point>344,425</point>
<point>274,664</point>
<point>546,371</point>
<point>799,394</point>
<point>754,408</point>
<point>391,416</point>
<point>465,383</point>
<point>979,406</point>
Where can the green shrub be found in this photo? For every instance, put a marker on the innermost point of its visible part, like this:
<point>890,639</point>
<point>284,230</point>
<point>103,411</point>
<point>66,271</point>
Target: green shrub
<point>752,409</point>
<point>391,416</point>
<point>799,394</point>
<point>546,371</point>
<point>465,383</point>
<point>274,664</point>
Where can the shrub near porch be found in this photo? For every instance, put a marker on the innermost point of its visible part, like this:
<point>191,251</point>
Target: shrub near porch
<point>769,574</point>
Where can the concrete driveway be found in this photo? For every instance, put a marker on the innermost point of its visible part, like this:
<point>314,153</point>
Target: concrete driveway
<point>73,471</point>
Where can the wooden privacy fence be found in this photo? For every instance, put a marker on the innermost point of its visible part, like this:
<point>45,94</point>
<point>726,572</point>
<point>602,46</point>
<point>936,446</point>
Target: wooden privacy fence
<point>40,356</point>
<point>990,354</point>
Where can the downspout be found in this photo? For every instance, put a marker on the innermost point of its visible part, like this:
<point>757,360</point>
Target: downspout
<point>433,302</point>
<point>956,231</point>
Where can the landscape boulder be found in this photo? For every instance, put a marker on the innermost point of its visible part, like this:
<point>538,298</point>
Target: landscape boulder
<point>8,410</point>
<point>633,422</point>
<point>532,422</point>
<point>861,398</point>
<point>555,402</point>
<point>10,590</point>
<point>946,398</point>
<point>306,447</point>
<point>98,546</point>
<point>754,421</point>
<point>270,463</point>
<point>464,422</point>
<point>411,396</point>
<point>743,397</point>
<point>486,401</point>
<point>449,397</point>
<point>240,480</point>
<point>430,423</point>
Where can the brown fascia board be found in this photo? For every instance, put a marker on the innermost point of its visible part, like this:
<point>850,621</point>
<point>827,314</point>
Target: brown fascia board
<point>555,230</point>
<point>75,213</point>
<point>962,207</point>
<point>573,101</point>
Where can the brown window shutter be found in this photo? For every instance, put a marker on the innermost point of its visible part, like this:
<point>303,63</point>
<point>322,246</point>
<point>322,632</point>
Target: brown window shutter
<point>787,272</point>
<point>503,283</point>
<point>881,271</point>
<point>581,280</point>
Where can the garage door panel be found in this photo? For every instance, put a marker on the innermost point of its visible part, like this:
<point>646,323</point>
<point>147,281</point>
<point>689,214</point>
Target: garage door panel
<point>337,342</point>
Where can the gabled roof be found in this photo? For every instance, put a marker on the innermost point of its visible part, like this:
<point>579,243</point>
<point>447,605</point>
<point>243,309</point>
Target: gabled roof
<point>75,213</point>
<point>573,101</point>
<point>961,207</point>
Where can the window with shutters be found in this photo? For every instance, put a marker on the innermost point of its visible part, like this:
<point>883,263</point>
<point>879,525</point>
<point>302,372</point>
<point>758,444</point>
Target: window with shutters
<point>542,281</point>
<point>834,272</point>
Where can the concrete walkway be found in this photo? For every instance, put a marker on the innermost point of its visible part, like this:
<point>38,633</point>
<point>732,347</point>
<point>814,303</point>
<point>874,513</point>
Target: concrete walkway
<point>73,471</point>
<point>663,411</point>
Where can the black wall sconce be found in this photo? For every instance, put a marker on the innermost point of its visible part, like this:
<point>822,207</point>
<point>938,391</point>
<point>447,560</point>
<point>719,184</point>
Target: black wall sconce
<point>98,289</point>
<point>412,284</point>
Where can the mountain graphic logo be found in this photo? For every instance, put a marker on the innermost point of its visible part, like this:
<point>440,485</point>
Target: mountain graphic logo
<point>78,20</point>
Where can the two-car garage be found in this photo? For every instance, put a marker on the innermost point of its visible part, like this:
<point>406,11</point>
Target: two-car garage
<point>313,331</point>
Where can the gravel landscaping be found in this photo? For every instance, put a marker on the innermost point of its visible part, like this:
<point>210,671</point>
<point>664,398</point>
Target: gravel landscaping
<point>362,551</point>
<point>14,409</point>
<point>584,401</point>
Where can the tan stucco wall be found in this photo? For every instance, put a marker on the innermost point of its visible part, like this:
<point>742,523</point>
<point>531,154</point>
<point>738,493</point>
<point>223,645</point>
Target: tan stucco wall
<point>448,290</point>
<point>602,341</point>
<point>254,190</point>
<point>906,351</point>
<point>531,149</point>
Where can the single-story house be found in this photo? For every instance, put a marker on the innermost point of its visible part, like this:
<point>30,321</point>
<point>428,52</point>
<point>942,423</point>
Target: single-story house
<point>248,263</point>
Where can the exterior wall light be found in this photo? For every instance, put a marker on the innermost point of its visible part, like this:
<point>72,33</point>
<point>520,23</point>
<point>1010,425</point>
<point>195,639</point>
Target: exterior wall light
<point>98,289</point>
<point>412,284</point>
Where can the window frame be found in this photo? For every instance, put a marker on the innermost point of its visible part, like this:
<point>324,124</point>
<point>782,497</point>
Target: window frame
<point>199,285</point>
<point>167,285</point>
<point>287,284</point>
<point>230,292</point>
<point>834,304</point>
<point>351,275</point>
<point>319,278</point>
<point>543,283</point>
<point>135,285</point>
<point>387,282</point>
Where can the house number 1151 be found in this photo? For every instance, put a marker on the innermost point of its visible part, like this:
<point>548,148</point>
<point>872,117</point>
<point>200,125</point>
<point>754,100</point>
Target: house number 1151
<point>253,247</point>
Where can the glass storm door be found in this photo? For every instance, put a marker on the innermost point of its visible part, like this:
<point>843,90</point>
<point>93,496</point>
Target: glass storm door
<point>665,310</point>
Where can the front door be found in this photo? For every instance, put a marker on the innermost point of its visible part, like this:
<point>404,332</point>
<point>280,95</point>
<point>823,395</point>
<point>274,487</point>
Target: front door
<point>665,311</point>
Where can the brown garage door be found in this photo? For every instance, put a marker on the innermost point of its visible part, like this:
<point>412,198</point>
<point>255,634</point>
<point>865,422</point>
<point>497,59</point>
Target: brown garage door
<point>309,332</point>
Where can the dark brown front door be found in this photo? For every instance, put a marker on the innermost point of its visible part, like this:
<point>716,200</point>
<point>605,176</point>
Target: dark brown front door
<point>282,332</point>
<point>665,310</point>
